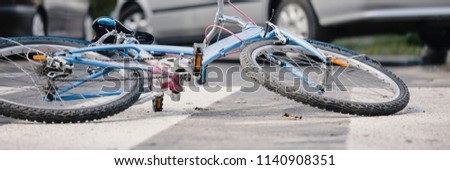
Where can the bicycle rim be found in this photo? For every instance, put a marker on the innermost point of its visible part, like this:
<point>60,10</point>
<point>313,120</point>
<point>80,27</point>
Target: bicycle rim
<point>360,82</point>
<point>25,81</point>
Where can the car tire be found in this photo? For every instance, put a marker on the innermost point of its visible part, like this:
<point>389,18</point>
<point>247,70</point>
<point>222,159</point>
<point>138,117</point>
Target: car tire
<point>435,55</point>
<point>134,18</point>
<point>437,45</point>
<point>38,27</point>
<point>298,16</point>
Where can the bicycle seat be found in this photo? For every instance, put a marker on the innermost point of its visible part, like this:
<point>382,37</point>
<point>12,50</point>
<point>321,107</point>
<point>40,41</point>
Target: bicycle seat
<point>102,25</point>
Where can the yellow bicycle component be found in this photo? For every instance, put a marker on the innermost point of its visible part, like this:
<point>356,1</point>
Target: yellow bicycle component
<point>158,103</point>
<point>339,62</point>
<point>198,63</point>
<point>39,58</point>
<point>198,54</point>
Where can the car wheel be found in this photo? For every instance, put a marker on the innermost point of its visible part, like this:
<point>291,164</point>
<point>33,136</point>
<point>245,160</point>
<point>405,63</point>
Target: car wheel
<point>134,18</point>
<point>38,25</point>
<point>299,17</point>
<point>435,55</point>
<point>437,45</point>
<point>87,28</point>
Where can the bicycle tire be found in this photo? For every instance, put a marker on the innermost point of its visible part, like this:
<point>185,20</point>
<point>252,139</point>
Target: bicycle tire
<point>316,100</point>
<point>75,115</point>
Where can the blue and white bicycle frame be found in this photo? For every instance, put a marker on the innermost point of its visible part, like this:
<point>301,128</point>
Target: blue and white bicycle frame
<point>250,32</point>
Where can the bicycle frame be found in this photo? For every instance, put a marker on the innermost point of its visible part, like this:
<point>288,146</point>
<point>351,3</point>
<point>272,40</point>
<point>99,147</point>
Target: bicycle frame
<point>250,33</point>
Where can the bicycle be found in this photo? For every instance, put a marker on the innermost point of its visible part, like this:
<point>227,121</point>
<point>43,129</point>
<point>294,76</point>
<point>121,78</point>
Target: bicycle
<point>57,80</point>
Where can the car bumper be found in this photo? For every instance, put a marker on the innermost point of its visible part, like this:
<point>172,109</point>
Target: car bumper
<point>16,20</point>
<point>411,14</point>
<point>331,12</point>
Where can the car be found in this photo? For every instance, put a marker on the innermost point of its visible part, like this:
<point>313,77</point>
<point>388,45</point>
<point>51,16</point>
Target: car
<point>180,21</point>
<point>46,17</point>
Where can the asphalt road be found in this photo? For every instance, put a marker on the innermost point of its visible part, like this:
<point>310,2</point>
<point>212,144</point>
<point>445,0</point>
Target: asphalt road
<point>231,119</point>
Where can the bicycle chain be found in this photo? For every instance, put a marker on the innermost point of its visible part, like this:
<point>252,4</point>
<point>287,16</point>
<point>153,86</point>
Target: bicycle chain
<point>108,79</point>
<point>96,80</point>
<point>124,60</point>
<point>129,60</point>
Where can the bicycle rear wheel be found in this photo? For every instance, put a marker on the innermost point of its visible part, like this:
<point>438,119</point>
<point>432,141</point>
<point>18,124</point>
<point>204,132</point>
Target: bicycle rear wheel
<point>25,87</point>
<point>354,84</point>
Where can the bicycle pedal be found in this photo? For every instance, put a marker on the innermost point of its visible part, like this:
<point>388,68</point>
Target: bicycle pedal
<point>198,54</point>
<point>158,104</point>
<point>175,96</point>
<point>144,37</point>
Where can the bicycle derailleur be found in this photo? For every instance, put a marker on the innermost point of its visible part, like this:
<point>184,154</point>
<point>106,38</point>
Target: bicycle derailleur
<point>55,68</point>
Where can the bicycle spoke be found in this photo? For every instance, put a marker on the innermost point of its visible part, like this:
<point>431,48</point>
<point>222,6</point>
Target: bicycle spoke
<point>19,71</point>
<point>352,78</point>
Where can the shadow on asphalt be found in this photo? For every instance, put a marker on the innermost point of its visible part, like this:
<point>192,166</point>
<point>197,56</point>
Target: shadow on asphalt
<point>6,121</point>
<point>408,63</point>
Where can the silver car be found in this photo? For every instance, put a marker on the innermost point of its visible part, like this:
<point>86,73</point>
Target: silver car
<point>46,17</point>
<point>181,21</point>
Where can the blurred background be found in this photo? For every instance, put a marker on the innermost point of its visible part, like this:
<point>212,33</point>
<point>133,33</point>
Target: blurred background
<point>394,28</point>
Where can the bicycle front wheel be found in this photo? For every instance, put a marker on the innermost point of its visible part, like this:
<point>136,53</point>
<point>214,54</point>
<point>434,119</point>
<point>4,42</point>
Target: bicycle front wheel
<point>348,83</point>
<point>27,93</point>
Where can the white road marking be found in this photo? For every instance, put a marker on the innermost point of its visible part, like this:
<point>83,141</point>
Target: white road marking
<point>418,126</point>
<point>123,131</point>
<point>104,135</point>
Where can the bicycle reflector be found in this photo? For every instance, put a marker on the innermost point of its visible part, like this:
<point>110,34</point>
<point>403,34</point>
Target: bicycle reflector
<point>198,54</point>
<point>39,58</point>
<point>339,62</point>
